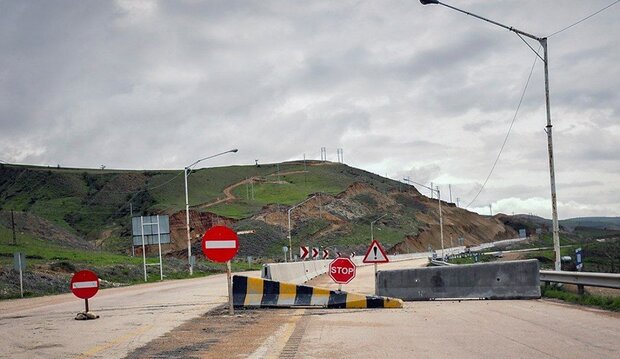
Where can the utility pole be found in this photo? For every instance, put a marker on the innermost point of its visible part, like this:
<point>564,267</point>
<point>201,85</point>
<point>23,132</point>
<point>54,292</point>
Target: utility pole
<point>490,210</point>
<point>432,191</point>
<point>450,189</point>
<point>548,129</point>
<point>13,227</point>
<point>305,169</point>
<point>457,201</point>
<point>133,248</point>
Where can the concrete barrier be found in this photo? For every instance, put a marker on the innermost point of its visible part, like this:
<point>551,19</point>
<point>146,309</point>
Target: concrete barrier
<point>295,272</point>
<point>251,292</point>
<point>501,280</point>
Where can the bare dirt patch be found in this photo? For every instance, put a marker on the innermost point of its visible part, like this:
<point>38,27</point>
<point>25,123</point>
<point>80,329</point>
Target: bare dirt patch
<point>216,334</point>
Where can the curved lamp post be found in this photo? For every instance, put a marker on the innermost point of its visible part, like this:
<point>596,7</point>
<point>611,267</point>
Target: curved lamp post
<point>440,213</point>
<point>371,228</point>
<point>290,243</point>
<point>545,59</point>
<point>189,240</point>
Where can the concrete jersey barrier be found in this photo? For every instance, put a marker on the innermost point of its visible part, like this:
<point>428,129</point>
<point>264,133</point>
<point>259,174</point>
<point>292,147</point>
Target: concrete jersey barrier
<point>295,272</point>
<point>503,280</point>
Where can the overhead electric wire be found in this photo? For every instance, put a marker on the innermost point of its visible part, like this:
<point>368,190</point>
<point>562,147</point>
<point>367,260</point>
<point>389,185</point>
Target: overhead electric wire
<point>585,18</point>
<point>509,130</point>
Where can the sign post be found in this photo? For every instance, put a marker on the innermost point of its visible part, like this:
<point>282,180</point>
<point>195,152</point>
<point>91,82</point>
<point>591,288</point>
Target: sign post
<point>19,263</point>
<point>579,264</point>
<point>221,244</point>
<point>303,252</point>
<point>85,284</point>
<point>375,254</point>
<point>342,271</point>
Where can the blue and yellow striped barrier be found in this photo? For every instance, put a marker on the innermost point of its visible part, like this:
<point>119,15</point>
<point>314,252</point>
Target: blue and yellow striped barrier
<point>258,292</point>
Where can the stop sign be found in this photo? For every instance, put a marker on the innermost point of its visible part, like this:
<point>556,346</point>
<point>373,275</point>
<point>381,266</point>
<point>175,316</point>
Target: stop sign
<point>342,270</point>
<point>85,284</point>
<point>220,244</point>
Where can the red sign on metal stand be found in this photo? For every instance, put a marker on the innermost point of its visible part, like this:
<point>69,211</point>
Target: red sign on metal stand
<point>220,244</point>
<point>85,284</point>
<point>342,270</point>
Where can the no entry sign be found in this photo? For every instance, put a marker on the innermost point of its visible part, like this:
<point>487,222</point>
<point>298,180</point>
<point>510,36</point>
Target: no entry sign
<point>85,284</point>
<point>220,244</point>
<point>342,270</point>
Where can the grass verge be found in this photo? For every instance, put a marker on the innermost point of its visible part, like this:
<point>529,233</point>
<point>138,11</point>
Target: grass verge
<point>607,303</point>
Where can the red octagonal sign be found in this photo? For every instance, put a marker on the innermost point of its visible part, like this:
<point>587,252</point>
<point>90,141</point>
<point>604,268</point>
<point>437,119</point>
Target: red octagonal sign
<point>85,284</point>
<point>220,244</point>
<point>342,270</point>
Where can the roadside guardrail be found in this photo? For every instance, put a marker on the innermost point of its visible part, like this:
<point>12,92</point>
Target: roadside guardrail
<point>588,279</point>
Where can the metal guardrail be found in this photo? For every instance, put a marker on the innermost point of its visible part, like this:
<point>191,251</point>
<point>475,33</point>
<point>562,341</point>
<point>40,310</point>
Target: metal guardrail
<point>436,262</point>
<point>589,279</point>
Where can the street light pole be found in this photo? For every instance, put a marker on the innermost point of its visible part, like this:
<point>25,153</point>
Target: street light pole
<point>548,128</point>
<point>371,224</point>
<point>186,171</point>
<point>290,241</point>
<point>440,213</point>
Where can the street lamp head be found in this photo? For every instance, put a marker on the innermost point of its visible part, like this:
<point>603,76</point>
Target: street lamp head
<point>426,2</point>
<point>235,150</point>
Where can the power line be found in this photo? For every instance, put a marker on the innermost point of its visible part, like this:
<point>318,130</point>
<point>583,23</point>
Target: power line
<point>509,130</point>
<point>585,18</point>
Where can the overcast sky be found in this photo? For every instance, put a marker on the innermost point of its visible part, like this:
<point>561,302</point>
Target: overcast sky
<point>403,89</point>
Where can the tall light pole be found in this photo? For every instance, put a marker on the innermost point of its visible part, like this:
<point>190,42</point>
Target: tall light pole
<point>440,213</point>
<point>189,239</point>
<point>371,229</point>
<point>290,241</point>
<point>545,59</point>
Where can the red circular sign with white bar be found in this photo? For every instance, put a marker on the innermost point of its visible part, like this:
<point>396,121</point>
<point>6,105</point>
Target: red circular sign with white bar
<point>220,244</point>
<point>85,284</point>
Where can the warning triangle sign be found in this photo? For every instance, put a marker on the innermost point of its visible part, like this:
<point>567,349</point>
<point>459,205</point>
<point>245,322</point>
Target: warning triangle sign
<point>375,254</point>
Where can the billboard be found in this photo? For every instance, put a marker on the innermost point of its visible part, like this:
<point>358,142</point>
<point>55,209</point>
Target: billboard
<point>152,227</point>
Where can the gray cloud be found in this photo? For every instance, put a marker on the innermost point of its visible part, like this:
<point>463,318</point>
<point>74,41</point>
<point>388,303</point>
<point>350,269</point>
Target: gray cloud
<point>404,89</point>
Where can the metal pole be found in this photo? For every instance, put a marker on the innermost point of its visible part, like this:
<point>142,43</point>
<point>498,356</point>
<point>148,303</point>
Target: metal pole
<point>189,240</point>
<point>13,228</point>
<point>21,274</point>
<point>371,234</point>
<point>143,247</point>
<point>290,243</point>
<point>440,222</point>
<point>161,268</point>
<point>86,304</point>
<point>554,206</point>
<point>231,308</point>
<point>543,43</point>
<point>133,248</point>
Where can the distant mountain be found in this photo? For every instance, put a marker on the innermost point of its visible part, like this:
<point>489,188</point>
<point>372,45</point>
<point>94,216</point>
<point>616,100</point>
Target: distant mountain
<point>609,223</point>
<point>94,206</point>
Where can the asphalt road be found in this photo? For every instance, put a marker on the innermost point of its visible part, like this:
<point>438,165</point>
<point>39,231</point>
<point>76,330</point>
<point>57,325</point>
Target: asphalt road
<point>457,329</point>
<point>129,318</point>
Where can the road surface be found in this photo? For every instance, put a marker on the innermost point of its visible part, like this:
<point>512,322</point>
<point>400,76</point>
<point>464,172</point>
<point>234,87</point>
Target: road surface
<point>168,319</point>
<point>45,327</point>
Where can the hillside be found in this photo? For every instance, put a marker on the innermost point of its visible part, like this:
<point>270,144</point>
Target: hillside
<point>92,207</point>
